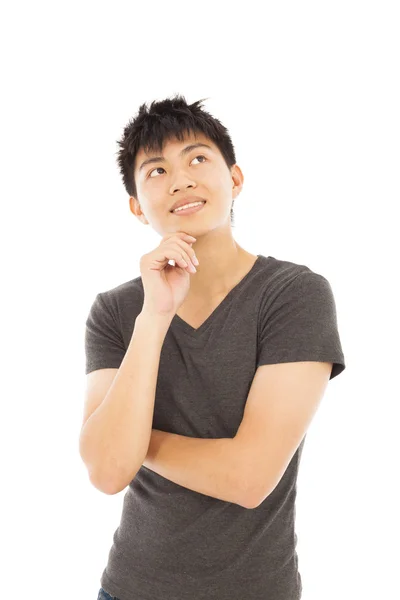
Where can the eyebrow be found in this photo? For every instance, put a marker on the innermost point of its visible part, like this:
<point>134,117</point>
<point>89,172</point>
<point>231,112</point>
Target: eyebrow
<point>183,152</point>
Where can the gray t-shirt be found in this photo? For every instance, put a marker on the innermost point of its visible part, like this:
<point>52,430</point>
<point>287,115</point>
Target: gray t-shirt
<point>172,542</point>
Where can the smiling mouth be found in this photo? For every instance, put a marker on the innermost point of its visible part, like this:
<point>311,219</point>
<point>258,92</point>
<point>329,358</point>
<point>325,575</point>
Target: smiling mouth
<point>173,211</point>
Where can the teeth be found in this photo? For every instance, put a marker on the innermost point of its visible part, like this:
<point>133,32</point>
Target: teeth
<point>187,206</point>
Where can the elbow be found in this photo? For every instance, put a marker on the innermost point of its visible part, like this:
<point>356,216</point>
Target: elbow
<point>250,493</point>
<point>104,475</point>
<point>102,487</point>
<point>250,503</point>
<point>102,483</point>
<point>255,499</point>
<point>248,496</point>
<point>109,485</point>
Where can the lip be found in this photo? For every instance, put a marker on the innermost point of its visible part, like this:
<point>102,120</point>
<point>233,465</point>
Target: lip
<point>189,211</point>
<point>186,201</point>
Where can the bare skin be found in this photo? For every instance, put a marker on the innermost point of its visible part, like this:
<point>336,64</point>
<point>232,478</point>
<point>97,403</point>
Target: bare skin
<point>196,310</point>
<point>203,173</point>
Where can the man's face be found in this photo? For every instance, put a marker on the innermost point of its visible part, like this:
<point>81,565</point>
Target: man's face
<point>202,172</point>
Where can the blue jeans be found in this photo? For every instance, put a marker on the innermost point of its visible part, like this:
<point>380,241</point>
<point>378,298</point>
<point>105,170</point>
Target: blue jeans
<point>103,595</point>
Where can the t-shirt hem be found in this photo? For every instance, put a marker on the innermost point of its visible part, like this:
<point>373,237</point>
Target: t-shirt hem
<point>338,364</point>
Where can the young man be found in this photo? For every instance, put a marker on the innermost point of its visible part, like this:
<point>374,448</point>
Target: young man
<point>203,413</point>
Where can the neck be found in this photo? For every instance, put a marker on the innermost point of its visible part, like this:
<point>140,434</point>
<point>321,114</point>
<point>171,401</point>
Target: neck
<point>220,265</point>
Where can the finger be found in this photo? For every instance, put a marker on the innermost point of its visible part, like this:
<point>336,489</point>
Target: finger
<point>183,261</point>
<point>188,252</point>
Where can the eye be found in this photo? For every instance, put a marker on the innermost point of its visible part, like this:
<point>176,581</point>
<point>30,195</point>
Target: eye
<point>156,169</point>
<point>200,156</point>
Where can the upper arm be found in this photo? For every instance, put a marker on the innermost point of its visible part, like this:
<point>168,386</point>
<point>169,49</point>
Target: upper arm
<point>282,401</point>
<point>97,385</point>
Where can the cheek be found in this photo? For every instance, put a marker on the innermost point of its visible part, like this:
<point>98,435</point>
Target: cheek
<point>220,181</point>
<point>212,178</point>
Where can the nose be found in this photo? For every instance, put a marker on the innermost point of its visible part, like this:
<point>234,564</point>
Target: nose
<point>175,188</point>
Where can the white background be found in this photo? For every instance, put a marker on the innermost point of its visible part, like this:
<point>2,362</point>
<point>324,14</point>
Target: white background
<point>310,95</point>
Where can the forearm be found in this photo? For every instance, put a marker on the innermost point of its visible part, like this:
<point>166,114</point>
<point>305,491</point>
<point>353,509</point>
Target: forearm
<point>206,466</point>
<point>115,438</point>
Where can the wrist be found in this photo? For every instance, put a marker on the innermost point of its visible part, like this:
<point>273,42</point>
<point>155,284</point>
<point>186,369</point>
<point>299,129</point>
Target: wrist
<point>151,321</point>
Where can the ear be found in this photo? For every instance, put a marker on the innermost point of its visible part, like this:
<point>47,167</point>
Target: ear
<point>136,209</point>
<point>237,179</point>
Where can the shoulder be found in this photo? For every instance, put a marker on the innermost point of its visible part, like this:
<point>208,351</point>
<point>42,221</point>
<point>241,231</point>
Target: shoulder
<point>124,300</point>
<point>287,280</point>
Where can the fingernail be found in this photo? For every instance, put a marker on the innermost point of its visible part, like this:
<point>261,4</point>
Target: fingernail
<point>196,262</point>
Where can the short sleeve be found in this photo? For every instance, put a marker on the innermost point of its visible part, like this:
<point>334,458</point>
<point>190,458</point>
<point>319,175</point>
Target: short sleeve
<point>300,324</point>
<point>104,346</point>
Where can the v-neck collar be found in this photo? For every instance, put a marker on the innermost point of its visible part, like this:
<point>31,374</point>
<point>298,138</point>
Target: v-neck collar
<point>197,332</point>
